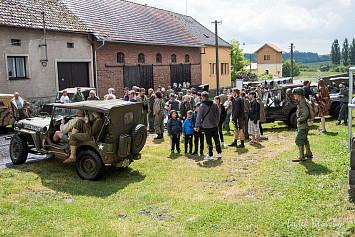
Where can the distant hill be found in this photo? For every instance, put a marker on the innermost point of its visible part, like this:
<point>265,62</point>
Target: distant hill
<point>300,57</point>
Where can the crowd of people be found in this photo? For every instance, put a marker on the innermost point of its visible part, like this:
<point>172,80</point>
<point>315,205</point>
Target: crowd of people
<point>197,117</point>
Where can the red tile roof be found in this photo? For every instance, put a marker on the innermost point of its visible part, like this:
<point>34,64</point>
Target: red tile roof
<point>274,47</point>
<point>123,21</point>
<point>28,14</point>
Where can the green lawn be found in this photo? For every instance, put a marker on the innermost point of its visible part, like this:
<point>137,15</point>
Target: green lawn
<point>255,191</point>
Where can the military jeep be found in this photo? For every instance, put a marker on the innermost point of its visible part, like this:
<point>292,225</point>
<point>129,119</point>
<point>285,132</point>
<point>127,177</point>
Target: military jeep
<point>280,107</point>
<point>124,137</point>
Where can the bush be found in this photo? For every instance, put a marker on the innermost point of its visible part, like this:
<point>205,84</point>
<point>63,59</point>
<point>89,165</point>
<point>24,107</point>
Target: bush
<point>246,76</point>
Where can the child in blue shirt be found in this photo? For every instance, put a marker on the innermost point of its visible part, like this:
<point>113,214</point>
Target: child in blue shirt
<point>174,131</point>
<point>188,131</point>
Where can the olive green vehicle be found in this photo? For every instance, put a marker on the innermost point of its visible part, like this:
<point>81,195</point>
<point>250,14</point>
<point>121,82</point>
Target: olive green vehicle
<point>124,137</point>
<point>5,110</point>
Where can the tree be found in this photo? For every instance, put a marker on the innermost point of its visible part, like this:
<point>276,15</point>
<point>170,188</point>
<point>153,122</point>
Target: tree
<point>335,53</point>
<point>345,52</point>
<point>352,53</point>
<point>286,68</point>
<point>237,59</point>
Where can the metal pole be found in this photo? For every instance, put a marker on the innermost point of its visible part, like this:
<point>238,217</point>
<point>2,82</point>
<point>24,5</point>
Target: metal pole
<point>250,63</point>
<point>217,60</point>
<point>291,69</point>
<point>350,107</point>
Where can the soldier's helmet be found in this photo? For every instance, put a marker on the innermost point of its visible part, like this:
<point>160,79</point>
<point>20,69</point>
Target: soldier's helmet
<point>298,91</point>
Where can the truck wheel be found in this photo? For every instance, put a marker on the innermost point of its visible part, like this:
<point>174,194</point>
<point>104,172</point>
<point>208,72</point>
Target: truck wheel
<point>139,136</point>
<point>18,150</point>
<point>89,165</point>
<point>334,112</point>
<point>293,120</point>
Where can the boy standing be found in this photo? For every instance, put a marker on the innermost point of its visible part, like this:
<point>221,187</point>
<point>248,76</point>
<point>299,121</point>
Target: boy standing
<point>198,135</point>
<point>188,131</point>
<point>174,131</point>
<point>302,126</point>
<point>254,116</point>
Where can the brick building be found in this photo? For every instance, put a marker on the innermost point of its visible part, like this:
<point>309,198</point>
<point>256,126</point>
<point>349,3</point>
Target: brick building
<point>138,45</point>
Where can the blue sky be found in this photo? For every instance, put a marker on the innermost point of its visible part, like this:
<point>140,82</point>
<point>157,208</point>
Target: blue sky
<point>311,25</point>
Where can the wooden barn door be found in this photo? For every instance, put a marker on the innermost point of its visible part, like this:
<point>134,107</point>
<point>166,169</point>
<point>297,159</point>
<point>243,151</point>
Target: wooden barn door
<point>141,76</point>
<point>180,74</point>
<point>73,75</point>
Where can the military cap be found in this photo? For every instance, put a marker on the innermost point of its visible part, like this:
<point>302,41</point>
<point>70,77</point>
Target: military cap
<point>298,91</point>
<point>344,83</point>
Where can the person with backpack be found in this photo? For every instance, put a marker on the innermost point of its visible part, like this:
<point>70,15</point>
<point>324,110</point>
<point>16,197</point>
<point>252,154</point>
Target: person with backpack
<point>302,125</point>
<point>208,115</point>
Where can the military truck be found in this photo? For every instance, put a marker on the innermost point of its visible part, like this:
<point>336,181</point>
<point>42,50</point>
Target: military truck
<point>5,110</point>
<point>124,136</point>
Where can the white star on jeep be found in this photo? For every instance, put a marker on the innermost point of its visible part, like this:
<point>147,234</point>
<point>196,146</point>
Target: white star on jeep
<point>101,146</point>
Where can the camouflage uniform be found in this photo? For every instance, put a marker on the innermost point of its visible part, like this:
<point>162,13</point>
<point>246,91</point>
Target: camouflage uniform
<point>144,99</point>
<point>158,111</point>
<point>302,126</point>
<point>150,110</point>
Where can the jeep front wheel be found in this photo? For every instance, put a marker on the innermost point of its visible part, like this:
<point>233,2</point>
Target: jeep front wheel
<point>293,120</point>
<point>18,150</point>
<point>89,165</point>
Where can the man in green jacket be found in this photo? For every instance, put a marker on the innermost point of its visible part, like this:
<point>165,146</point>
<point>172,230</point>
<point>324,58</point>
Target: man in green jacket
<point>158,111</point>
<point>89,133</point>
<point>302,126</point>
<point>344,100</point>
<point>78,96</point>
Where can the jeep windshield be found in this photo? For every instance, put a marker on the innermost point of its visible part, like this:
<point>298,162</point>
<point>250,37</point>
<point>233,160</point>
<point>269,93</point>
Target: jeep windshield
<point>60,113</point>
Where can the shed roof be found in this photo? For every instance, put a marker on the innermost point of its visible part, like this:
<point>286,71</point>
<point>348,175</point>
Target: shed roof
<point>123,21</point>
<point>198,30</point>
<point>28,14</point>
<point>274,47</point>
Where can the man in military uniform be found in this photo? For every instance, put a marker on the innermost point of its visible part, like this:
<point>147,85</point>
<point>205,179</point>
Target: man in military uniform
<point>90,133</point>
<point>158,111</point>
<point>344,100</point>
<point>170,91</point>
<point>150,97</point>
<point>78,96</point>
<point>143,98</point>
<point>302,125</point>
<point>223,97</point>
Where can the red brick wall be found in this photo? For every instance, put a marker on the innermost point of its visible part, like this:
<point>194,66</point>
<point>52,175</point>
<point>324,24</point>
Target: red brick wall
<point>110,73</point>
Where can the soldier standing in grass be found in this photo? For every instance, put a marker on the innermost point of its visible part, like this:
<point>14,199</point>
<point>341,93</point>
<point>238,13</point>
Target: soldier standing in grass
<point>158,111</point>
<point>302,126</point>
<point>143,98</point>
<point>151,97</point>
<point>344,99</point>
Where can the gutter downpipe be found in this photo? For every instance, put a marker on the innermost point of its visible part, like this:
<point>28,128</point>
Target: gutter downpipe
<point>97,87</point>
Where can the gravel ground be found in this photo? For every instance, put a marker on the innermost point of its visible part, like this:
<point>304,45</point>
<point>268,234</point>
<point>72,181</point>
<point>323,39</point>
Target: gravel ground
<point>5,161</point>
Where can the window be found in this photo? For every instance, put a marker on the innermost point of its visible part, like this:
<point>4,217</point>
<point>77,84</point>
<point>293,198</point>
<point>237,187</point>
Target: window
<point>70,45</point>
<point>212,69</point>
<point>187,58</point>
<point>266,57</point>
<point>16,67</point>
<point>141,58</point>
<point>173,58</point>
<point>120,57</point>
<point>224,68</point>
<point>15,42</point>
<point>158,58</point>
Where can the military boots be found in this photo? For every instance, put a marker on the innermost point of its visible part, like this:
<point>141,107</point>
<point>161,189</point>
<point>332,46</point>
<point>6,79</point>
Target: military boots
<point>301,155</point>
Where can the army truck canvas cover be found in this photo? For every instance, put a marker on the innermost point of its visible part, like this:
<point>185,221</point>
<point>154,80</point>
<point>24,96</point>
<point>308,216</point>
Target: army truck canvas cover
<point>124,136</point>
<point>5,110</point>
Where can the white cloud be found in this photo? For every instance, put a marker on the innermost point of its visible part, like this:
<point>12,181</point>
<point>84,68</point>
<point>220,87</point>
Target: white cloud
<point>276,21</point>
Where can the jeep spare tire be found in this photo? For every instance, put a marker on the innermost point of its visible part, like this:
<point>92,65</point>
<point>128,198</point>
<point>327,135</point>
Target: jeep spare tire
<point>18,150</point>
<point>139,136</point>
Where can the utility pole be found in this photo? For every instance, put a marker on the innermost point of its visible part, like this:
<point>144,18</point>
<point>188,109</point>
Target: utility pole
<point>250,63</point>
<point>217,61</point>
<point>291,69</point>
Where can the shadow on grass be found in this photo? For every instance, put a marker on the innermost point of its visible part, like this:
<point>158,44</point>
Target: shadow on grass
<point>174,156</point>
<point>241,150</point>
<point>314,168</point>
<point>158,141</point>
<point>210,163</point>
<point>333,134</point>
<point>63,178</point>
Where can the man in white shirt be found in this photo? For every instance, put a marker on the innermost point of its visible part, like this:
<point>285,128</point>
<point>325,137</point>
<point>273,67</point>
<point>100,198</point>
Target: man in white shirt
<point>64,99</point>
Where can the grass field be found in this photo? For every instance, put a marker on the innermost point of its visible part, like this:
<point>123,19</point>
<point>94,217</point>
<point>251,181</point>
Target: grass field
<point>256,191</point>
